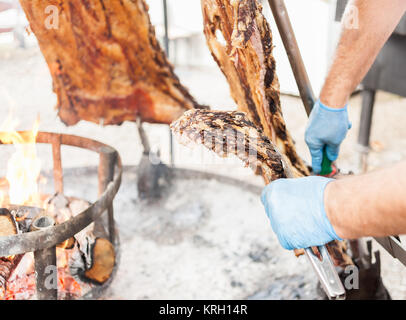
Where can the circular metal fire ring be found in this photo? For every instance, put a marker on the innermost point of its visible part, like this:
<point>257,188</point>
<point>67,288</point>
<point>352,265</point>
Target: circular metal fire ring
<point>49,237</point>
<point>45,236</point>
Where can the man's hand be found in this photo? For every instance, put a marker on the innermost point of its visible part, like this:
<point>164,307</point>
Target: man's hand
<point>327,127</point>
<point>295,208</point>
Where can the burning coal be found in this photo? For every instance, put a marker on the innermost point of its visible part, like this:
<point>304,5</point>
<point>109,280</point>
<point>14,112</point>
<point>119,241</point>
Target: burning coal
<point>22,177</point>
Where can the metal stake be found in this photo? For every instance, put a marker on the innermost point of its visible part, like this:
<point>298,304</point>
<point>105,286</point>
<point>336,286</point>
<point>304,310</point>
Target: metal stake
<point>166,45</point>
<point>368,101</point>
<point>57,169</point>
<point>107,162</point>
<point>325,269</point>
<point>292,49</point>
<point>46,272</point>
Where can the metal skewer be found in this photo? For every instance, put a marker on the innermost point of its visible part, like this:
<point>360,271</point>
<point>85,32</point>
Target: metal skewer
<point>327,274</point>
<point>166,45</point>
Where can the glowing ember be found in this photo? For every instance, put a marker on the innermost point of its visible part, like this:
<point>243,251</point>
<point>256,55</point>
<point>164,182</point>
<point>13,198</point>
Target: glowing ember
<point>23,288</point>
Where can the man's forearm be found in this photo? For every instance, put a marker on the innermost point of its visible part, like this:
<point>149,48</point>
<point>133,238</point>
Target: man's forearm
<point>358,47</point>
<point>373,204</point>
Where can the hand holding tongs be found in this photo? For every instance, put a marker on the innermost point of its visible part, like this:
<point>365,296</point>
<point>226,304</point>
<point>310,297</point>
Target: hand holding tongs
<point>326,273</point>
<point>323,267</point>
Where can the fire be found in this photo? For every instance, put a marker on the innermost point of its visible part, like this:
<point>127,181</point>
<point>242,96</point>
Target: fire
<point>23,167</point>
<point>23,175</point>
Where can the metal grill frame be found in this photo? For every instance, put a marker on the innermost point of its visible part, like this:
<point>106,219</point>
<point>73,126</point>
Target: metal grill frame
<point>43,242</point>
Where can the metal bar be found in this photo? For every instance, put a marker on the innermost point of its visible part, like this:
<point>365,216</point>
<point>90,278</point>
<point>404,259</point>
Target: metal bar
<point>166,44</point>
<point>326,273</point>
<point>394,248</point>
<point>386,244</point>
<point>166,36</point>
<point>67,139</point>
<point>292,49</point>
<point>368,101</point>
<point>32,241</point>
<point>107,162</point>
<point>46,272</point>
<point>143,137</point>
<point>358,253</point>
<point>57,160</point>
<point>43,239</point>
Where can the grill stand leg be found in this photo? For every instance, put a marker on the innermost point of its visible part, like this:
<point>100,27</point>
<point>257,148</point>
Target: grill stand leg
<point>368,101</point>
<point>46,272</point>
<point>108,158</point>
<point>166,45</point>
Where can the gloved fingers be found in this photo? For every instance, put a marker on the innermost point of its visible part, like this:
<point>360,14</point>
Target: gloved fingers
<point>332,151</point>
<point>295,208</point>
<point>284,243</point>
<point>349,125</point>
<point>265,195</point>
<point>317,158</point>
<point>268,191</point>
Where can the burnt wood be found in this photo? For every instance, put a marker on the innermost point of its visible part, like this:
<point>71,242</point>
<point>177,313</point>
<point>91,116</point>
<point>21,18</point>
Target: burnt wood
<point>96,250</point>
<point>7,266</point>
<point>103,259</point>
<point>8,226</point>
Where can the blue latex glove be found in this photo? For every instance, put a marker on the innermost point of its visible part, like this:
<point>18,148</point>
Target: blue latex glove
<point>295,208</point>
<point>327,127</point>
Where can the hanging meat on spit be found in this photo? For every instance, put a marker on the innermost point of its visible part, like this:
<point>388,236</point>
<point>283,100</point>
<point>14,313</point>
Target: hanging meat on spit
<point>106,63</point>
<point>240,41</point>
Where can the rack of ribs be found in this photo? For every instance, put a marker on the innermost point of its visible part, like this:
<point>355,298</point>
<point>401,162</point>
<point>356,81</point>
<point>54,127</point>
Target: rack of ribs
<point>106,63</point>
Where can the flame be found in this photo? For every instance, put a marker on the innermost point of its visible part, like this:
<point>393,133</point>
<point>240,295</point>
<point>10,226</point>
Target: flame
<point>22,218</point>
<point>23,175</point>
<point>23,167</point>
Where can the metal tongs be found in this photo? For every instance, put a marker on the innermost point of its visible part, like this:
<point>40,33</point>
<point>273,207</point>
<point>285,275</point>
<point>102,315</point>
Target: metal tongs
<point>323,266</point>
<point>327,274</point>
